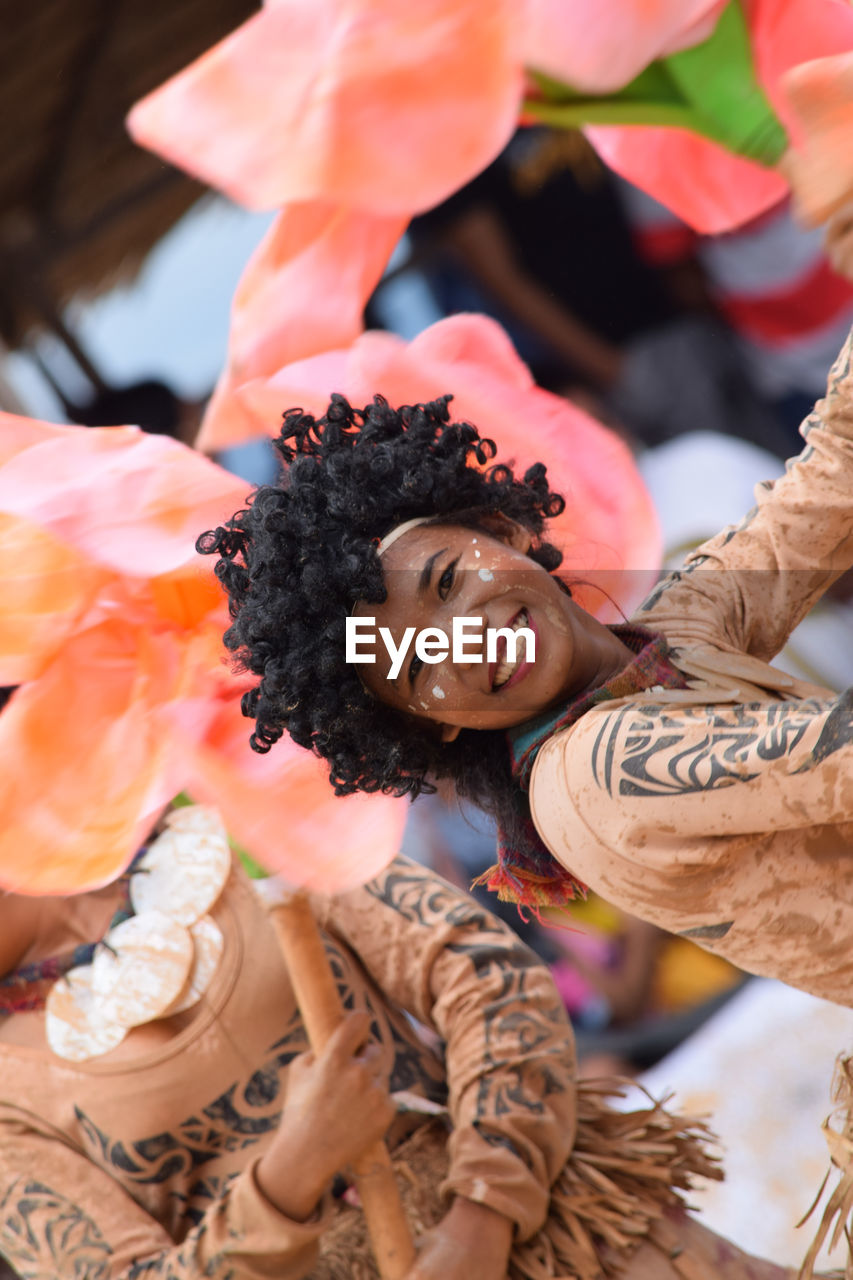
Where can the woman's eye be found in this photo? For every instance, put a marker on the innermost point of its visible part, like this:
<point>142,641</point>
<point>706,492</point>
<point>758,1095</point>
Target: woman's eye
<point>415,667</point>
<point>445,582</point>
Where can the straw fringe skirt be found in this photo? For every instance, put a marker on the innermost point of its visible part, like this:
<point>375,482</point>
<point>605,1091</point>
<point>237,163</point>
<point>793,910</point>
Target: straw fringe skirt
<point>837,1218</point>
<point>625,1170</point>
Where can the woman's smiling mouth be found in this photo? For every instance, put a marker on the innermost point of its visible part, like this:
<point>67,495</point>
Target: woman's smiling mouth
<point>506,672</point>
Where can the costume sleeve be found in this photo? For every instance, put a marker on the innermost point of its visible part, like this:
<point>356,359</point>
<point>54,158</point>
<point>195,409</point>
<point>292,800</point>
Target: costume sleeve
<point>61,1217</point>
<point>730,823</point>
<point>509,1048</point>
<point>748,587</point>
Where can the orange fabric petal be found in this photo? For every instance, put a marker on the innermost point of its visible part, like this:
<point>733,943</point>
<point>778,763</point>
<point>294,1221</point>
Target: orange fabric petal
<point>281,808</point>
<point>609,532</point>
<point>46,589</point>
<point>126,696</point>
<point>373,103</point>
<point>706,186</point>
<point>600,45</point>
<point>304,290</point>
<point>80,760</point>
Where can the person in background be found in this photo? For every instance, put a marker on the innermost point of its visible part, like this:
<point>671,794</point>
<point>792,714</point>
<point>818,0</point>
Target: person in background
<point>205,1140</point>
<point>787,306</point>
<point>541,241</point>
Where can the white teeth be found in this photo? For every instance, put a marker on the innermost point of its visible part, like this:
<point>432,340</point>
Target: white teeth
<point>506,669</point>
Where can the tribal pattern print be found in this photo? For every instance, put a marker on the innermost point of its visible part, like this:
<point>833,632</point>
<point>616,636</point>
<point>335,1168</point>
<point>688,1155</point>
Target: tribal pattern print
<point>44,1235</point>
<point>656,750</point>
<point>510,1022</point>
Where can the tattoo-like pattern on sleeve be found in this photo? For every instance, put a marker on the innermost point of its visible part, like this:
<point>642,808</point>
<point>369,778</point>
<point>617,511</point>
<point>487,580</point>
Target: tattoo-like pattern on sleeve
<point>421,899</point>
<point>536,1029</point>
<point>413,1070</point>
<point>44,1234</point>
<point>182,1263</point>
<point>650,751</point>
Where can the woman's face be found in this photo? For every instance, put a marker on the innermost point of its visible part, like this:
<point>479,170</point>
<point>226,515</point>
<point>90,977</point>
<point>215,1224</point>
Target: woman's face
<point>435,573</point>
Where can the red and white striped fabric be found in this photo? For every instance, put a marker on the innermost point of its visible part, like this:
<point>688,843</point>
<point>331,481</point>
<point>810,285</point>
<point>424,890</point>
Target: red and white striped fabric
<point>771,279</point>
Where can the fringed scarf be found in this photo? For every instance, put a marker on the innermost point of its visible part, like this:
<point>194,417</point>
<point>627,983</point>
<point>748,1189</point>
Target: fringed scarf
<point>525,872</point>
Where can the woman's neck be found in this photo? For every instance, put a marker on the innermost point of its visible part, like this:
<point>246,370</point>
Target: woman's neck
<point>599,654</point>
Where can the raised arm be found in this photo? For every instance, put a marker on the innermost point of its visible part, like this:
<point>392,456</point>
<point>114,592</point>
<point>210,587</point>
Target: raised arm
<point>731,823</point>
<point>510,1054</point>
<point>750,586</point>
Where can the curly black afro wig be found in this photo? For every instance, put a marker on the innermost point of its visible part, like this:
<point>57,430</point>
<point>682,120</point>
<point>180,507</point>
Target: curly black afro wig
<point>304,550</point>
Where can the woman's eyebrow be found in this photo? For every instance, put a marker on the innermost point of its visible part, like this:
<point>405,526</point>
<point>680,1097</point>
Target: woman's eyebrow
<point>426,572</point>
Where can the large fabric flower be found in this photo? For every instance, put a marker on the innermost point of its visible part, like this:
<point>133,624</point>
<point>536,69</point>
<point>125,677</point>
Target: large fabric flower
<point>303,290</point>
<point>714,190</point>
<point>609,532</point>
<point>112,629</point>
<point>389,108</point>
<point>369,103</point>
<point>334,111</point>
<point>600,47</point>
<point>821,98</point>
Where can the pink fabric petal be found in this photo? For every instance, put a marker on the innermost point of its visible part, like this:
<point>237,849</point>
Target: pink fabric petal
<point>609,532</point>
<point>281,808</point>
<point>600,45</point>
<point>17,434</point>
<point>304,290</point>
<point>372,103</point>
<point>125,696</point>
<point>705,185</point>
<point>129,501</point>
<point>786,33</point>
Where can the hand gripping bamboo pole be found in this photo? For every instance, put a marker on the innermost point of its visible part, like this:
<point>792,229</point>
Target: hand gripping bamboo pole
<point>322,1011</point>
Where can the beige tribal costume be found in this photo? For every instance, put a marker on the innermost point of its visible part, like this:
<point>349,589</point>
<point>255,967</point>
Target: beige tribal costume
<point>724,811</point>
<point>144,1166</point>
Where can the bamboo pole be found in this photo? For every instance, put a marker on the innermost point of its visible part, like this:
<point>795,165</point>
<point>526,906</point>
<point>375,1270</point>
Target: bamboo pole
<point>320,1004</point>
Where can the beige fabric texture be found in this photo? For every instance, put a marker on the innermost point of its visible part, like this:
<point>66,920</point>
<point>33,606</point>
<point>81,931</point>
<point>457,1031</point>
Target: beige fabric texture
<point>106,1165</point>
<point>143,1166</point>
<point>724,812</point>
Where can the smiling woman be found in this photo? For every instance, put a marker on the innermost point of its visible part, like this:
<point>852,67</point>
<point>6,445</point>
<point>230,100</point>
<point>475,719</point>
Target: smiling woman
<point>476,595</point>
<point>664,761</point>
<point>397,516</point>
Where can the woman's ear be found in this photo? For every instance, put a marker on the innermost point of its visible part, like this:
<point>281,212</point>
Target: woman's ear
<point>450,732</point>
<point>507,531</point>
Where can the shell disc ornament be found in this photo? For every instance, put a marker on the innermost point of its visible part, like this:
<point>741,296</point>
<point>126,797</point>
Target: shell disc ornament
<point>74,1025</point>
<point>207,951</point>
<point>185,868</point>
<point>141,969</point>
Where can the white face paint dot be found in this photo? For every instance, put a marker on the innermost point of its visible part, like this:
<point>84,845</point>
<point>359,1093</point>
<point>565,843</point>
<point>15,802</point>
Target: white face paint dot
<point>437,691</point>
<point>476,555</point>
<point>486,575</point>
